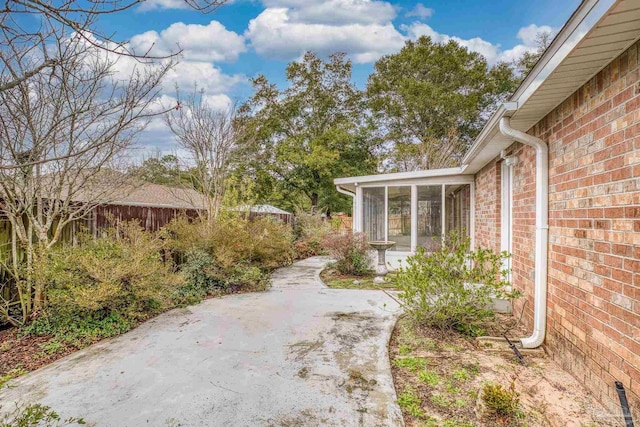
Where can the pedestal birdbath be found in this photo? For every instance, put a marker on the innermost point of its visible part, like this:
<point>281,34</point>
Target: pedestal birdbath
<point>381,269</point>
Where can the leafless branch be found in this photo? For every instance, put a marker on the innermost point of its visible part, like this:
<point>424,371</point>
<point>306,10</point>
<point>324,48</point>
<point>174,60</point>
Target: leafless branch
<point>210,136</point>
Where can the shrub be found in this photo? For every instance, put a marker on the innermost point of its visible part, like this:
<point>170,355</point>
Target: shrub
<point>351,252</point>
<point>79,330</point>
<point>309,231</point>
<point>500,401</point>
<point>197,269</point>
<point>102,287</point>
<point>453,287</point>
<point>205,277</point>
<point>270,242</point>
<point>232,240</point>
<point>122,272</point>
<point>228,254</point>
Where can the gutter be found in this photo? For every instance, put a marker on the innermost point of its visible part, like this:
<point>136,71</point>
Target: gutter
<point>588,14</point>
<point>542,230</point>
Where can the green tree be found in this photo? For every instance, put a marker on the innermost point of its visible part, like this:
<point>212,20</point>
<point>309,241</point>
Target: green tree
<point>163,170</point>
<point>525,63</point>
<point>431,99</point>
<point>306,135</point>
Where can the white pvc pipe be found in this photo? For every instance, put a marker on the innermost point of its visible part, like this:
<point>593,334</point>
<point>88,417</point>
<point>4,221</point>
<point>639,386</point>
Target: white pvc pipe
<point>542,231</point>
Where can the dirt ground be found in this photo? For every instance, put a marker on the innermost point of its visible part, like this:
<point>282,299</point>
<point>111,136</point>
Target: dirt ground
<point>21,354</point>
<point>439,378</point>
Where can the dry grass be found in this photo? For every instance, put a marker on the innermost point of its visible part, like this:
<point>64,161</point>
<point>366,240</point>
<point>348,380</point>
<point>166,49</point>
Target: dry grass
<point>334,279</point>
<point>439,379</point>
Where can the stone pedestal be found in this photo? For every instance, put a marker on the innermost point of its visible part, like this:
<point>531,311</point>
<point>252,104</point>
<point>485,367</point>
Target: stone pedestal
<point>381,267</point>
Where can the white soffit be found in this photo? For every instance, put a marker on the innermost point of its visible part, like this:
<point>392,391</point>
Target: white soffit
<point>615,32</point>
<point>591,45</point>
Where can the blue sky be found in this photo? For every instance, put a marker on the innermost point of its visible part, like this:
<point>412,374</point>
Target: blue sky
<point>244,38</point>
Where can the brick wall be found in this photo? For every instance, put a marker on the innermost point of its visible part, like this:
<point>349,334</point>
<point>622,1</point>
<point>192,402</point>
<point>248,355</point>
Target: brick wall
<point>487,207</point>
<point>594,236</point>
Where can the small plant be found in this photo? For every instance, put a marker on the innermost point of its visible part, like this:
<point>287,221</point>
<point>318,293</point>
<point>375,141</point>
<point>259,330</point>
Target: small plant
<point>50,347</point>
<point>411,402</point>
<point>13,373</point>
<point>453,287</point>
<point>413,364</point>
<point>35,415</point>
<point>439,399</point>
<point>503,402</point>
<point>405,349</point>
<point>351,252</point>
<point>429,377</point>
<point>460,375</point>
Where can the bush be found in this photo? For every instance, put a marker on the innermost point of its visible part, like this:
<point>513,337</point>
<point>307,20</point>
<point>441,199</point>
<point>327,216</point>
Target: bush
<point>79,330</point>
<point>351,252</point>
<point>500,401</point>
<point>228,254</point>
<point>205,277</point>
<point>228,241</point>
<point>310,231</point>
<point>122,272</point>
<point>102,287</point>
<point>453,287</point>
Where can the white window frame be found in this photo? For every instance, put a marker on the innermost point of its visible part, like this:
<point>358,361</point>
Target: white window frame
<point>442,181</point>
<point>506,212</point>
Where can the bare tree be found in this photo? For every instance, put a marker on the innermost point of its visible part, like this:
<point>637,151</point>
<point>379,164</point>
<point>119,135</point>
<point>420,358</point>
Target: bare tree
<point>210,136</point>
<point>28,27</point>
<point>433,153</point>
<point>63,132</point>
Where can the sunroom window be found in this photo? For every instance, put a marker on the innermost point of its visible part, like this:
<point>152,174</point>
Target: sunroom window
<point>415,215</point>
<point>374,208</point>
<point>429,216</point>
<point>399,217</point>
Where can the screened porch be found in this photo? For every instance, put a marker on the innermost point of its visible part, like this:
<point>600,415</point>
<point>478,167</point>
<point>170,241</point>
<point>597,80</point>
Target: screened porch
<point>413,209</point>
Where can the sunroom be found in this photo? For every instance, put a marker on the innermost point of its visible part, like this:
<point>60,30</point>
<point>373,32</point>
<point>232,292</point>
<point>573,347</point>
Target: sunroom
<point>412,209</point>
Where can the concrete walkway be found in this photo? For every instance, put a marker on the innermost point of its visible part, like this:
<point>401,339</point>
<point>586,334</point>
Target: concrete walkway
<point>298,355</point>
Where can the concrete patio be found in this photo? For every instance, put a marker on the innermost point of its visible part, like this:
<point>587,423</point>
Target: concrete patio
<point>298,355</point>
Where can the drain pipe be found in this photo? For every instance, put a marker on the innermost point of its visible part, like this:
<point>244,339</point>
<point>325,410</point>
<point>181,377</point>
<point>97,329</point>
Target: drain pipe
<point>542,231</point>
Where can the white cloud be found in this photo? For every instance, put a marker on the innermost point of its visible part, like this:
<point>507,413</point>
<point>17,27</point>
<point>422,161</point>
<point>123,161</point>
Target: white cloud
<point>203,46</point>
<point>162,4</point>
<point>528,34</point>
<point>274,34</point>
<point>420,11</point>
<point>212,42</point>
<point>335,12</point>
<point>493,52</point>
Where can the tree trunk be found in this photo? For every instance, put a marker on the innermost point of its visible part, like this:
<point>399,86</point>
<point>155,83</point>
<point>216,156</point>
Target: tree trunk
<point>314,203</point>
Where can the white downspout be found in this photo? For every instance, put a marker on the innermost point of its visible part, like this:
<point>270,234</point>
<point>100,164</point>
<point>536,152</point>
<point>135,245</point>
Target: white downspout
<point>542,231</point>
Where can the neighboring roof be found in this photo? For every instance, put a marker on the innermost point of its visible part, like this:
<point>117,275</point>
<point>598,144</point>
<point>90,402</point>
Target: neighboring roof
<point>161,196</point>
<point>110,187</point>
<point>597,33</point>
<point>262,209</point>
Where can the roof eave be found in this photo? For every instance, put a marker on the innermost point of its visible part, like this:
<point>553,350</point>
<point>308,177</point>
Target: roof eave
<point>582,21</point>
<point>399,176</point>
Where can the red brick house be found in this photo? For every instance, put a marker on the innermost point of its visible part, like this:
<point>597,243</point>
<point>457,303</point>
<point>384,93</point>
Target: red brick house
<point>553,178</point>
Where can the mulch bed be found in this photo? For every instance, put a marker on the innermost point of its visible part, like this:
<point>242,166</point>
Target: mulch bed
<point>25,352</point>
